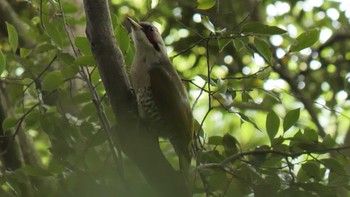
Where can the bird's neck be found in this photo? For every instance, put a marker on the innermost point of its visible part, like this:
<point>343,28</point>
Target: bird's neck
<point>151,55</point>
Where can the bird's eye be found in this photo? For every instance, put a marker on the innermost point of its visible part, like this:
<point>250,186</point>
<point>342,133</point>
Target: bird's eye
<point>151,28</point>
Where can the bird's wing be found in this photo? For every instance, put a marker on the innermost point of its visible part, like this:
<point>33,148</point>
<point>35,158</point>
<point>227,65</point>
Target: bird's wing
<point>171,99</point>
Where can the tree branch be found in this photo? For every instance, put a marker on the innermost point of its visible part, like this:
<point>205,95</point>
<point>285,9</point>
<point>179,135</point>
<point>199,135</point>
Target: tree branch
<point>136,141</point>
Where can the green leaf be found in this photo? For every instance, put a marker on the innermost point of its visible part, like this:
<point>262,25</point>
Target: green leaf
<point>259,28</point>
<point>98,138</point>
<point>333,165</point>
<point>311,135</point>
<point>265,73</point>
<point>310,169</point>
<point>230,144</point>
<point>272,94</point>
<point>247,119</point>
<point>223,98</point>
<point>122,38</point>
<point>306,39</point>
<point>272,124</point>
<point>46,125</point>
<point>52,80</point>
<point>69,71</point>
<point>44,47</point>
<point>215,140</point>
<point>88,110</point>
<point>291,118</point>
<point>66,58</point>
<point>246,97</point>
<point>82,97</point>
<point>210,156</point>
<point>86,60</point>
<point>328,141</point>
<point>217,180</point>
<point>24,52</point>
<point>240,43</point>
<point>83,45</point>
<point>87,129</point>
<point>129,57</point>
<point>8,123</point>
<point>2,62</point>
<point>54,34</point>
<point>264,49</point>
<point>13,36</point>
<point>222,43</point>
<point>32,118</point>
<point>208,24</point>
<point>205,4</point>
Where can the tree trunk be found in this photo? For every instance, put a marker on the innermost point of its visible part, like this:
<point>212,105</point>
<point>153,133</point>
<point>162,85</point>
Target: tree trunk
<point>136,142</point>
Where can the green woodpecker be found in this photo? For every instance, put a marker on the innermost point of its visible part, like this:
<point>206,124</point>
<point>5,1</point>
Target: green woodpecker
<point>161,97</point>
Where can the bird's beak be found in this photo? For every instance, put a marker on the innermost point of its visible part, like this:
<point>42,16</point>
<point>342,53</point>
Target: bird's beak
<point>134,24</point>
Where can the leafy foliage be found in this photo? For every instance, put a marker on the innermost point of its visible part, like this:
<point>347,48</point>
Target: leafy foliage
<point>265,83</point>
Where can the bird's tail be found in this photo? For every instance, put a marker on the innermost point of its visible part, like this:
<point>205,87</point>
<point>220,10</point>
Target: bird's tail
<point>184,159</point>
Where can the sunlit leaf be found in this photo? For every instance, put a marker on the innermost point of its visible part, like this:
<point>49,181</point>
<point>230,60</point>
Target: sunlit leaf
<point>259,28</point>
<point>291,118</point>
<point>306,39</point>
<point>272,124</point>
<point>13,36</point>
<point>224,98</point>
<point>205,4</point>
<point>208,24</point>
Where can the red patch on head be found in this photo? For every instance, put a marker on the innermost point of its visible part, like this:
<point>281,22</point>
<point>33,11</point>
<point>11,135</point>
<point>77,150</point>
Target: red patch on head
<point>149,32</point>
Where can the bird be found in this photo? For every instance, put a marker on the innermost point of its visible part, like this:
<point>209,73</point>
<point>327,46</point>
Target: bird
<point>162,101</point>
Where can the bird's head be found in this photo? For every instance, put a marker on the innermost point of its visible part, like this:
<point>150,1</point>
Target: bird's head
<point>147,38</point>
